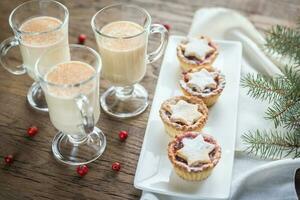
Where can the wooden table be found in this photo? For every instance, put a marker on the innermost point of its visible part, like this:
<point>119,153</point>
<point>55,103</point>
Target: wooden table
<point>35,174</point>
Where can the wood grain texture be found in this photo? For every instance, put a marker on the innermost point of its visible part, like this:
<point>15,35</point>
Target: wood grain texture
<point>35,174</point>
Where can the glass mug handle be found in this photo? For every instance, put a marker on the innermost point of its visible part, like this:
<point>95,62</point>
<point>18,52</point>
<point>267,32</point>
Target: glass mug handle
<point>5,46</point>
<point>86,112</point>
<point>164,35</point>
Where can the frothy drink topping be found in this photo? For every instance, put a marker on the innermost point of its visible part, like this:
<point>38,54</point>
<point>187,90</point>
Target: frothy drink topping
<point>39,25</point>
<point>123,29</point>
<point>72,72</point>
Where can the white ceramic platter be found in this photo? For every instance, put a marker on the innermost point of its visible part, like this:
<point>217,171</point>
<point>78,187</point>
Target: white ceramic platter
<point>154,171</point>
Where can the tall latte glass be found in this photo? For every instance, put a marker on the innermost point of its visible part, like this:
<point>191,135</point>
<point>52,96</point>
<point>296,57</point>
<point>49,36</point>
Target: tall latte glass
<point>71,88</point>
<point>38,25</point>
<point>122,36</point>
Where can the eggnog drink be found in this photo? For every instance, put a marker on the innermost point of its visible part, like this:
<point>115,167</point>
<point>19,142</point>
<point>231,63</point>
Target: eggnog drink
<point>40,34</point>
<point>63,110</point>
<point>123,56</point>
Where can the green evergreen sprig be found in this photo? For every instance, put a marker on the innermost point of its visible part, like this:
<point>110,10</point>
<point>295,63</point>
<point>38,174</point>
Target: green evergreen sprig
<point>283,93</point>
<point>272,144</point>
<point>264,88</point>
<point>284,41</point>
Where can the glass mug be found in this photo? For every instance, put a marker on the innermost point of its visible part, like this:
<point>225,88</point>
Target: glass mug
<point>71,88</point>
<point>121,33</point>
<point>38,25</point>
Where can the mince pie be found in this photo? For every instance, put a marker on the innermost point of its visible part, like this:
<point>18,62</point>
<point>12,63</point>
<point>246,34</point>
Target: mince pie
<point>180,114</point>
<point>194,155</point>
<point>196,53</point>
<point>203,84</point>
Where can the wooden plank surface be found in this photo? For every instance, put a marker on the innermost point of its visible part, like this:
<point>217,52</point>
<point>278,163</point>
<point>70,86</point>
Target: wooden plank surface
<point>35,174</point>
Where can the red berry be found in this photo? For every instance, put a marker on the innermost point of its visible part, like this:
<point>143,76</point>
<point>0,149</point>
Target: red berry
<point>81,38</point>
<point>9,159</point>
<point>167,26</point>
<point>32,131</point>
<point>123,135</point>
<point>116,166</point>
<point>82,170</point>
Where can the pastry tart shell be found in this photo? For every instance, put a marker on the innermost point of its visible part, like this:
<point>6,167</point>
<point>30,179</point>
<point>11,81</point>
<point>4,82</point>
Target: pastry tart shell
<point>187,64</point>
<point>174,128</point>
<point>211,98</point>
<point>193,173</point>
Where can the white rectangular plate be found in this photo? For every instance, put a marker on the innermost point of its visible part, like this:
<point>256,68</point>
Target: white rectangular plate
<point>154,171</point>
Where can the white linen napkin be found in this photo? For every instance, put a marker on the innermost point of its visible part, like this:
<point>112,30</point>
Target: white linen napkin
<point>252,178</point>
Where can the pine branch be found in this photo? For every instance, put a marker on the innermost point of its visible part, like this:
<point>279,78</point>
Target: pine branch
<point>263,88</point>
<point>293,121</point>
<point>292,77</point>
<point>284,41</point>
<point>283,91</point>
<point>281,111</point>
<point>272,144</point>
<point>285,111</point>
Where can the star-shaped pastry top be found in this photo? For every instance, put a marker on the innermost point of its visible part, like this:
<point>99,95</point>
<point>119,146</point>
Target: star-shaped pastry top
<point>198,48</point>
<point>185,112</point>
<point>195,150</point>
<point>202,79</point>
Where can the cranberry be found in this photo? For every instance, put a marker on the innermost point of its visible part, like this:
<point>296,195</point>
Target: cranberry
<point>9,159</point>
<point>32,131</point>
<point>116,166</point>
<point>82,170</point>
<point>123,135</point>
<point>81,38</point>
<point>167,26</point>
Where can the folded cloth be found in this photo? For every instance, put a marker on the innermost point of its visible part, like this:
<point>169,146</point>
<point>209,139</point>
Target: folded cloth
<point>271,181</point>
<point>274,180</point>
<point>252,178</point>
